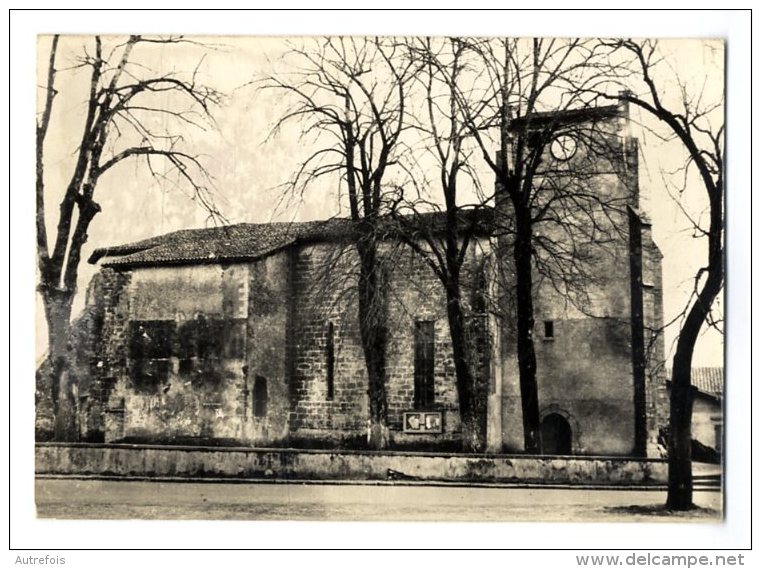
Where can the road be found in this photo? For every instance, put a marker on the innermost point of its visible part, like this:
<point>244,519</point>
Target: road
<point>117,499</point>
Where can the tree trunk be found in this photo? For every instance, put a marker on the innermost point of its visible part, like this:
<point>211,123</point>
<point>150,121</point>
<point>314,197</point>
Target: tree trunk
<point>525,330</point>
<point>473,433</point>
<point>680,443</point>
<point>682,393</point>
<point>373,335</point>
<point>473,422</point>
<point>61,381</point>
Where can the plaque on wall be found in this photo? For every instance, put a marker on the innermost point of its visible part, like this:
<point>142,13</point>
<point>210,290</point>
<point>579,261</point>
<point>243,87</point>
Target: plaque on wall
<point>423,422</point>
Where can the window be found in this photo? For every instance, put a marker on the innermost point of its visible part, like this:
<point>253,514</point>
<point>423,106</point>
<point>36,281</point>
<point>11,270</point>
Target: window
<point>549,329</point>
<point>330,362</point>
<point>424,354</point>
<point>260,396</point>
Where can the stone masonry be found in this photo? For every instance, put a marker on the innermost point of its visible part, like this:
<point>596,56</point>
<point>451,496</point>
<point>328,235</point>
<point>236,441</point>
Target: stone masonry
<point>249,335</point>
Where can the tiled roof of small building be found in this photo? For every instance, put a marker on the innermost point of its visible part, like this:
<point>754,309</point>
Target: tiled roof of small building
<point>249,241</point>
<point>709,380</point>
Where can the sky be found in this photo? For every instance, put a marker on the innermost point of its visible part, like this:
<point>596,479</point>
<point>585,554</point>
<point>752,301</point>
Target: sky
<point>248,165</point>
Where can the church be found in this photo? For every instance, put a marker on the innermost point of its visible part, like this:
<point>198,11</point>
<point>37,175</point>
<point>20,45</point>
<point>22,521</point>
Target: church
<point>248,333</point>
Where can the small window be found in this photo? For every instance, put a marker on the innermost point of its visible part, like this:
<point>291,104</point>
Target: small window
<point>549,329</point>
<point>260,396</point>
<point>424,365</point>
<point>330,362</point>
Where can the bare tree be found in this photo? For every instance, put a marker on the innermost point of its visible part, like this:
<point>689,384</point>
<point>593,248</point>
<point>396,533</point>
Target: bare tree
<point>445,247</point>
<point>695,121</point>
<point>481,95</point>
<point>123,98</point>
<point>350,95</point>
<point>521,109</point>
<point>476,96</point>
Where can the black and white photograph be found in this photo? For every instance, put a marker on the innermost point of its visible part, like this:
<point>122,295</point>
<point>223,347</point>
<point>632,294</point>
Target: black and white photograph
<point>424,277</point>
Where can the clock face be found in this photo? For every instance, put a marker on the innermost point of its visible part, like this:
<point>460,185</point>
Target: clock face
<point>563,147</point>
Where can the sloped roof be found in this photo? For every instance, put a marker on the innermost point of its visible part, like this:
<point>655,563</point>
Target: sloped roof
<point>250,241</point>
<point>541,119</point>
<point>708,380</point>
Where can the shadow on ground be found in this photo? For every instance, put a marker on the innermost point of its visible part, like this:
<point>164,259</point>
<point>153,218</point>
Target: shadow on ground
<point>660,511</point>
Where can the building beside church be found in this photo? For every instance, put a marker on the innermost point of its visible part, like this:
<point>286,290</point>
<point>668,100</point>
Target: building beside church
<point>707,412</point>
<point>248,333</point>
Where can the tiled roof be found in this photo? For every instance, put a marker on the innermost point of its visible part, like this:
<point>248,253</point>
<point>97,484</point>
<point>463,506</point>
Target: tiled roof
<point>249,241</point>
<point>709,380</point>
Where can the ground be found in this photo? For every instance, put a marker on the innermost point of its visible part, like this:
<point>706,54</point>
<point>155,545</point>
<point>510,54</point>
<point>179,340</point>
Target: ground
<point>117,499</point>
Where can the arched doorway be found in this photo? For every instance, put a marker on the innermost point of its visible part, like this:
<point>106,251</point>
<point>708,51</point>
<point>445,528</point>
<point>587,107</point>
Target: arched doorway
<point>556,435</point>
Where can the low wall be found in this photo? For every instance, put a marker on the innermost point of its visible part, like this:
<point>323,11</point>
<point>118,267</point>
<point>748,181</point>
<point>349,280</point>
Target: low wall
<point>212,462</point>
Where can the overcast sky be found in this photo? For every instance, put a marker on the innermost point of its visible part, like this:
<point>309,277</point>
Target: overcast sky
<point>247,170</point>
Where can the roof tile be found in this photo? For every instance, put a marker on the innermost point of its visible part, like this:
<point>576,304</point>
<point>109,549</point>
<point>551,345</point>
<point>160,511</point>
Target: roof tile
<point>709,380</point>
<point>250,241</point>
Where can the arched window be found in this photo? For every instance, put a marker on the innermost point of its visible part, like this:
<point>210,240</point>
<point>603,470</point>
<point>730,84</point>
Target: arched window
<point>556,435</point>
<point>260,396</point>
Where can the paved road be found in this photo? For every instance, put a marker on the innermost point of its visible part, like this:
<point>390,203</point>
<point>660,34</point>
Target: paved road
<point>110,499</point>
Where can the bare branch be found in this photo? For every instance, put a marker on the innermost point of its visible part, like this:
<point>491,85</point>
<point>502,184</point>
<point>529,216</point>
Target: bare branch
<point>42,129</point>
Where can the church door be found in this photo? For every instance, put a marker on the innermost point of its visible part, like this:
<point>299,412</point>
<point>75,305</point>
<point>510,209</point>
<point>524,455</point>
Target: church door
<point>556,435</point>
